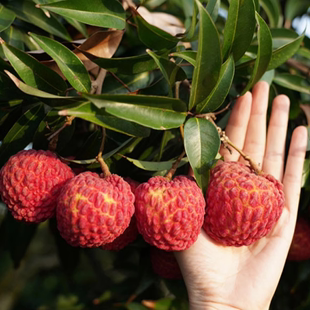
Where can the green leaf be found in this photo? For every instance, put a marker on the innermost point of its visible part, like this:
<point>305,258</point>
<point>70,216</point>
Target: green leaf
<point>69,64</point>
<point>268,76</point>
<point>208,61</point>
<point>221,89</point>
<point>101,13</point>
<point>294,82</point>
<point>305,52</point>
<point>239,28</point>
<point>280,55</point>
<point>264,53</point>
<point>14,37</point>
<point>6,17</point>
<point>27,11</point>
<point>153,37</point>
<point>21,133</point>
<point>33,72</point>
<point>126,65</point>
<point>257,5</point>
<point>273,11</point>
<point>189,56</point>
<point>306,172</point>
<point>157,165</point>
<point>164,303</point>
<point>285,52</point>
<point>170,70</point>
<point>294,8</point>
<point>282,36</point>
<point>202,143</point>
<point>48,98</point>
<point>190,33</point>
<point>91,113</point>
<point>151,111</point>
<point>133,82</point>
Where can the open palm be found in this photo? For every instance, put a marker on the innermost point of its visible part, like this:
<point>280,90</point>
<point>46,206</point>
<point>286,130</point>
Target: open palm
<point>220,277</point>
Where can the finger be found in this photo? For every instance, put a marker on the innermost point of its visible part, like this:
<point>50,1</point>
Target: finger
<point>237,125</point>
<point>294,168</point>
<point>273,162</point>
<point>255,140</point>
<point>291,184</point>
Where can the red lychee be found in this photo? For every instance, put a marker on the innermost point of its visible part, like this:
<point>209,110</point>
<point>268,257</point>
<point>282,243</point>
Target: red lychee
<point>131,232</point>
<point>93,211</point>
<point>242,207</point>
<point>30,183</point>
<point>170,213</point>
<point>165,264</point>
<point>300,246</point>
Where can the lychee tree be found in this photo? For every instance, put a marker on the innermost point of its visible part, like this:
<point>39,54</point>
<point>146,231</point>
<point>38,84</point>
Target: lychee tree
<point>145,87</point>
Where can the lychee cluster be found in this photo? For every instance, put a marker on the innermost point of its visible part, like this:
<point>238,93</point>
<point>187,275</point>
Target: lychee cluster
<point>240,206</point>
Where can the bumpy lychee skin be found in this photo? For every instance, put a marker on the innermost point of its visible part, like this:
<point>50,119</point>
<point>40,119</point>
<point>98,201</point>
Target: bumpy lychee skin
<point>30,183</point>
<point>170,213</point>
<point>128,236</point>
<point>165,264</point>
<point>131,232</point>
<point>93,211</point>
<point>242,207</point>
<point>300,246</point>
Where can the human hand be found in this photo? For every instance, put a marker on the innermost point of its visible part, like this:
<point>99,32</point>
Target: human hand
<point>223,277</point>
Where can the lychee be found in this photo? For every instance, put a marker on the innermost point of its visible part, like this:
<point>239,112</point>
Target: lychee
<point>165,264</point>
<point>30,183</point>
<point>170,213</point>
<point>92,211</point>
<point>131,232</point>
<point>300,246</point>
<point>242,206</point>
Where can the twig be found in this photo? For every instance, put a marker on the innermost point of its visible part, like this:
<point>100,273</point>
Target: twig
<point>104,167</point>
<point>119,80</point>
<point>132,24</point>
<point>53,138</point>
<point>213,114</point>
<point>177,89</point>
<point>182,131</point>
<point>288,24</point>
<point>174,167</point>
<point>301,67</point>
<point>97,84</point>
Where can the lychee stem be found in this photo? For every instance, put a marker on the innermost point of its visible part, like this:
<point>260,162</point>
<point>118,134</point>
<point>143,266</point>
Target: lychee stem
<point>225,140</point>
<point>174,167</point>
<point>253,164</point>
<point>104,167</point>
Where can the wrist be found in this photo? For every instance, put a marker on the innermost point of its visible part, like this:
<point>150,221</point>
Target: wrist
<point>212,306</point>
